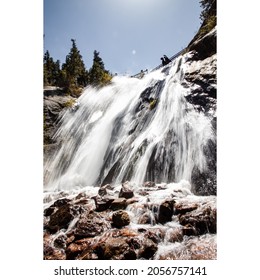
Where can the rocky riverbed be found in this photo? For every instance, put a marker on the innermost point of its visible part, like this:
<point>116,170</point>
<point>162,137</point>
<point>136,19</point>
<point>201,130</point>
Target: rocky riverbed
<point>128,222</point>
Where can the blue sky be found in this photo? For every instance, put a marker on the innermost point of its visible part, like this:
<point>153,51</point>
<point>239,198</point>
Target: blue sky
<point>130,35</point>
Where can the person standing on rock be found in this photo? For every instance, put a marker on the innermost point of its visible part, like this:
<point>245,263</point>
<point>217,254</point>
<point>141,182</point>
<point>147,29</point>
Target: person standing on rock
<point>166,59</point>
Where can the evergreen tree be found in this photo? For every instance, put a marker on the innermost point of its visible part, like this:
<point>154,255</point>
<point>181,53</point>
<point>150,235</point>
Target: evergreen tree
<point>50,70</point>
<point>208,8</point>
<point>98,75</point>
<point>74,68</point>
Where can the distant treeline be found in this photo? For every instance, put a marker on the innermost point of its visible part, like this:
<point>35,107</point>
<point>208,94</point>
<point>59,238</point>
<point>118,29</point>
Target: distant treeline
<point>73,76</point>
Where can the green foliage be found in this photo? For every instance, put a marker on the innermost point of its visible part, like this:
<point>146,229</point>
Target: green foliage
<point>76,74</point>
<point>98,75</point>
<point>51,70</point>
<point>73,76</point>
<point>152,104</point>
<point>207,7</point>
<point>69,103</point>
<point>209,17</point>
<point>209,25</point>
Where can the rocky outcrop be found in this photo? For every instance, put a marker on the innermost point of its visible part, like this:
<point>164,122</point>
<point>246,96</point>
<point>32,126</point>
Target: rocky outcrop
<point>201,77</point>
<point>54,104</point>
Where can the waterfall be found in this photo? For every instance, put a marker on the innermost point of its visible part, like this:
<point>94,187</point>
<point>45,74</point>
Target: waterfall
<point>131,130</point>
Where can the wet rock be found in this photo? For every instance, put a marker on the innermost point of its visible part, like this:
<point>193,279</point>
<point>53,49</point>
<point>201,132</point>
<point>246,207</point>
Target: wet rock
<point>103,190</point>
<point>61,218</point>
<point>126,191</point>
<point>60,241</point>
<point>125,232</point>
<point>201,221</point>
<point>61,202</point>
<point>189,230</point>
<point>174,235</point>
<point>120,219</point>
<point>102,203</point>
<point>117,204</point>
<point>115,249</point>
<point>90,224</point>
<point>145,219</point>
<point>148,249</point>
<point>48,211</point>
<point>76,248</point>
<point>88,254</point>
<point>131,200</point>
<point>153,234</point>
<point>165,211</point>
<point>51,253</point>
<point>182,208</point>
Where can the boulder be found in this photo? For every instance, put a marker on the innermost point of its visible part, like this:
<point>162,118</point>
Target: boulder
<point>198,222</point>
<point>117,204</point>
<point>148,249</point>
<point>120,219</point>
<point>115,249</point>
<point>90,224</point>
<point>126,191</point>
<point>165,211</point>
<point>61,218</point>
<point>145,219</point>
<point>103,189</point>
<point>77,247</point>
<point>102,202</point>
<point>182,207</point>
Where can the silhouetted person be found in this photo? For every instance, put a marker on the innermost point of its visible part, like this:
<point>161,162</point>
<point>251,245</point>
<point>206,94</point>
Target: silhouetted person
<point>163,61</point>
<point>166,59</point>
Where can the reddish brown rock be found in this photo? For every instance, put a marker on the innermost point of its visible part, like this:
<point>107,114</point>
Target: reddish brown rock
<point>120,219</point>
<point>102,202</point>
<point>115,249</point>
<point>90,224</point>
<point>126,191</point>
<point>202,220</point>
<point>61,218</point>
<point>117,204</point>
<point>76,248</point>
<point>182,208</point>
<point>165,211</point>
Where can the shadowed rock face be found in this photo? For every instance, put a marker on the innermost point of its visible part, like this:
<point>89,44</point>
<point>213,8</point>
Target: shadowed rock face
<point>201,77</point>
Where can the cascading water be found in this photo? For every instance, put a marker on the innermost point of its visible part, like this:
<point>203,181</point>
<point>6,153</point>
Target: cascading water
<point>145,132</point>
<point>136,130</point>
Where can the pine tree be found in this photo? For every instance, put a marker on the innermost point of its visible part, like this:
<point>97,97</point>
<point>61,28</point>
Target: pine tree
<point>98,75</point>
<point>74,68</point>
<point>51,70</point>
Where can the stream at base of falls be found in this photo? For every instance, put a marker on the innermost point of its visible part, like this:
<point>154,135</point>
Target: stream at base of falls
<point>152,221</point>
